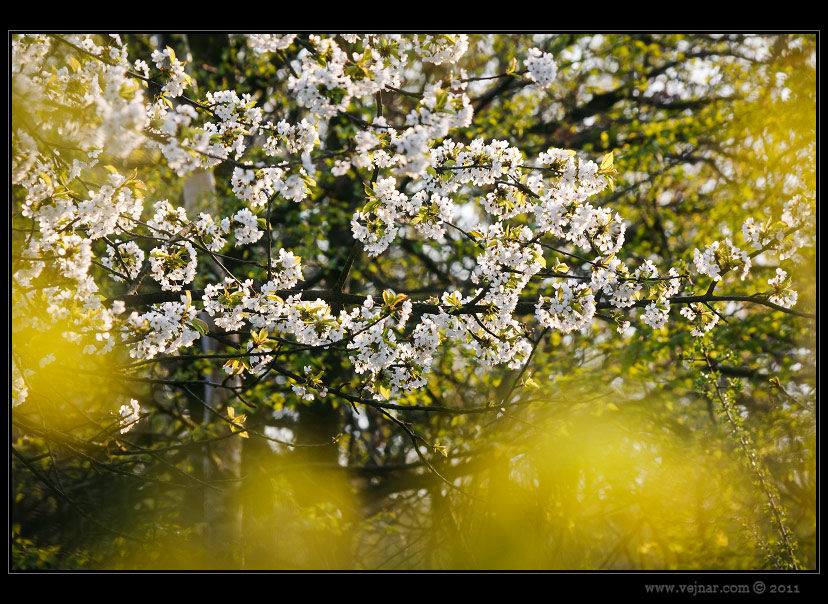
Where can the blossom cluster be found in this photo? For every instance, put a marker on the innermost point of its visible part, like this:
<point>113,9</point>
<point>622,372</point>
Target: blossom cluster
<point>329,79</point>
<point>256,186</point>
<point>129,415</point>
<point>113,205</point>
<point>417,178</point>
<point>720,257</point>
<point>541,67</point>
<point>164,328</point>
<point>300,138</point>
<point>786,236</point>
<point>441,48</point>
<point>703,318</point>
<point>177,78</point>
<point>124,260</point>
<point>569,308</point>
<point>96,104</point>
<point>783,294</point>
<point>267,43</point>
<point>174,265</point>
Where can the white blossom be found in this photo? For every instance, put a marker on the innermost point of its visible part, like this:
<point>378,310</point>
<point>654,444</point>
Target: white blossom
<point>129,415</point>
<point>541,68</point>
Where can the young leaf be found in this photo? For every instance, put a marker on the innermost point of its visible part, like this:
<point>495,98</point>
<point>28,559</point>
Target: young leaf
<point>529,382</point>
<point>606,163</point>
<point>200,326</point>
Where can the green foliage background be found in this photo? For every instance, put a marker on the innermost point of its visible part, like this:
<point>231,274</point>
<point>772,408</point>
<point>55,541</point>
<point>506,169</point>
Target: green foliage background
<point>620,458</point>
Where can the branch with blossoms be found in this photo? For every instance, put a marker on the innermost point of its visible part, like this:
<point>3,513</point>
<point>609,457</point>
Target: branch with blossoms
<point>544,248</point>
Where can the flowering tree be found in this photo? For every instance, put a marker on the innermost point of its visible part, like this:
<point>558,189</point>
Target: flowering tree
<point>356,252</point>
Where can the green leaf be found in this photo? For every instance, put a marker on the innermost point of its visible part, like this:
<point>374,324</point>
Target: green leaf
<point>46,178</point>
<point>370,206</point>
<point>200,326</point>
<point>606,163</point>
